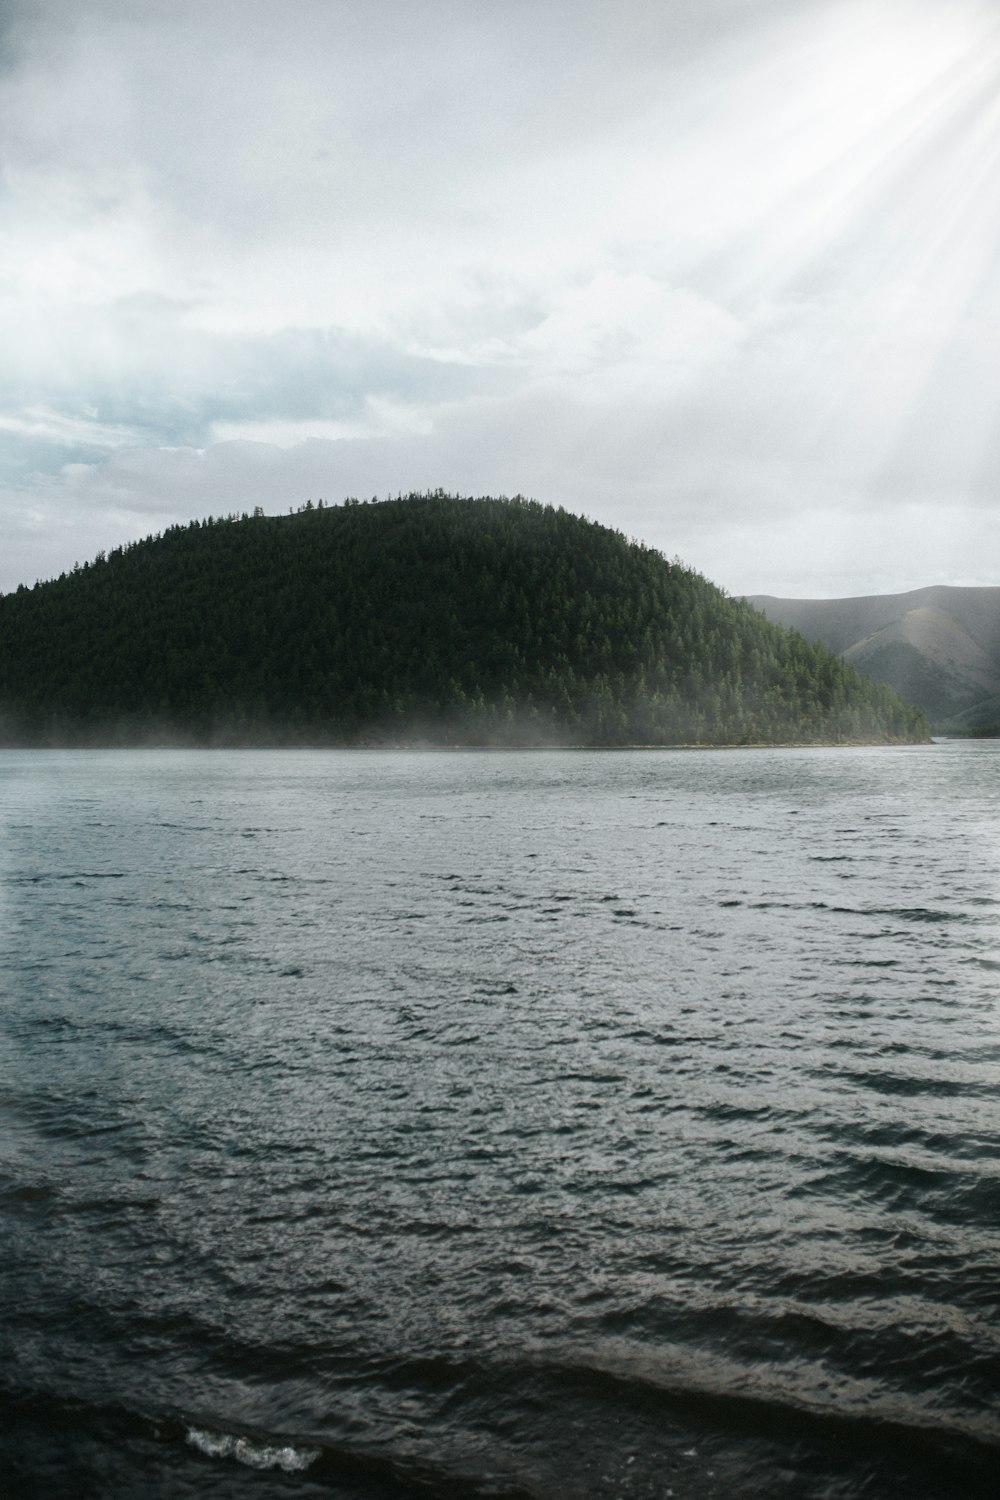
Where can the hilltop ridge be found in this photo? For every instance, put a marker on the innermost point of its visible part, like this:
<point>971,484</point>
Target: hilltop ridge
<point>430,618</point>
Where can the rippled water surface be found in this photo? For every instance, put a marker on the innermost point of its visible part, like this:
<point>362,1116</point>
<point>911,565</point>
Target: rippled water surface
<point>551,1125</point>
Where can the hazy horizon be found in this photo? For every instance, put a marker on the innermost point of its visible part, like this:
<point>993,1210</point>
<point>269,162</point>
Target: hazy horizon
<point>723,278</point>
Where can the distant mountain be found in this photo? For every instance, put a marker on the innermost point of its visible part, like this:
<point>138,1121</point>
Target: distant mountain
<point>431,618</point>
<point>939,646</point>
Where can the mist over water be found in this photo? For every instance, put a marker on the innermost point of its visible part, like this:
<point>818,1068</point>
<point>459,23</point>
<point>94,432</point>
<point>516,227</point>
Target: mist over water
<point>549,1124</point>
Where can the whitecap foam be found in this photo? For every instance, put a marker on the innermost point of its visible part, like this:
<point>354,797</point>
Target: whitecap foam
<point>254,1455</point>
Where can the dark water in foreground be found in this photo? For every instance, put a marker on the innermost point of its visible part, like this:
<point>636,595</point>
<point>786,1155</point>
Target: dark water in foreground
<point>552,1125</point>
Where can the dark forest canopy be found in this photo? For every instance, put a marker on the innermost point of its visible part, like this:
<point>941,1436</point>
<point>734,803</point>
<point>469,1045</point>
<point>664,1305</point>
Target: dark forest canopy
<point>429,618</point>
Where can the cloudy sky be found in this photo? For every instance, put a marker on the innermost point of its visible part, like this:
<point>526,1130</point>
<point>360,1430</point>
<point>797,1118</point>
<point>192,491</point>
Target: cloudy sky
<point>721,273</point>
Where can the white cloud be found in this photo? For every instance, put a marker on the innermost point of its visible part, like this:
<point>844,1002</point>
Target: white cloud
<point>630,322</point>
<point>378,419</point>
<point>41,422</point>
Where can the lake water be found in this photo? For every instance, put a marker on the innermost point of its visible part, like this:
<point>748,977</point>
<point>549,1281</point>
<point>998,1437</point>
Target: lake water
<point>531,1124</point>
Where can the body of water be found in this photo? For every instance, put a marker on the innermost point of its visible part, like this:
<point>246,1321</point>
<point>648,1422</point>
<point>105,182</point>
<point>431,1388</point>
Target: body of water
<point>531,1124</point>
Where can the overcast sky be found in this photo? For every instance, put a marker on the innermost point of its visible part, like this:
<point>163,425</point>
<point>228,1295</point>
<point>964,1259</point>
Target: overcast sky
<point>721,273</point>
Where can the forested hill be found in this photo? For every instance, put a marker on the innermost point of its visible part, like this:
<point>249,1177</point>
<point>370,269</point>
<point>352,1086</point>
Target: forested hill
<point>430,618</point>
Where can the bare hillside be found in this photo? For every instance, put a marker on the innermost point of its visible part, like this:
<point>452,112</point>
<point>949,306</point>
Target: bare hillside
<point>938,646</point>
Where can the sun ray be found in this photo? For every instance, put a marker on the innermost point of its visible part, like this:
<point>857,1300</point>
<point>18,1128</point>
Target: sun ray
<point>874,244</point>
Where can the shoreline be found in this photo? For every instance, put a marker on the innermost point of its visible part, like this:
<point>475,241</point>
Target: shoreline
<point>422,747</point>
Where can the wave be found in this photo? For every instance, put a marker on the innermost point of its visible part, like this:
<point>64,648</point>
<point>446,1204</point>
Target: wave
<point>255,1455</point>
